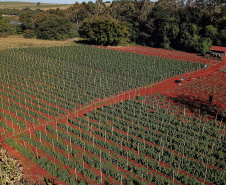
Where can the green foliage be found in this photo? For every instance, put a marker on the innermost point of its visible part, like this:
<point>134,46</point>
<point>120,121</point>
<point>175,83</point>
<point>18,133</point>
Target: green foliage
<point>19,29</point>
<point>168,24</point>
<point>205,45</point>
<point>163,28</point>
<point>6,28</point>
<point>19,12</point>
<point>52,27</point>
<point>78,12</point>
<point>210,31</point>
<point>74,30</point>
<point>72,77</point>
<point>104,31</point>
<point>27,21</point>
<point>184,28</point>
<point>28,33</point>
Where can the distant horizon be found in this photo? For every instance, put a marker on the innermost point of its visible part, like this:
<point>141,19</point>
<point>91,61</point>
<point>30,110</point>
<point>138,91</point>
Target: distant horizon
<point>48,1</point>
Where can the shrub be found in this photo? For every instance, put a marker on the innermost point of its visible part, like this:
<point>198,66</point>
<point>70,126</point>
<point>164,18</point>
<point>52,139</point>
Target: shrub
<point>10,170</point>
<point>29,33</point>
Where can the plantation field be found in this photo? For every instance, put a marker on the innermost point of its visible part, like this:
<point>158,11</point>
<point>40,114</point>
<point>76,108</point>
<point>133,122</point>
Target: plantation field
<point>73,76</point>
<point>177,55</point>
<point>33,6</point>
<point>195,95</point>
<point>196,88</point>
<point>82,114</point>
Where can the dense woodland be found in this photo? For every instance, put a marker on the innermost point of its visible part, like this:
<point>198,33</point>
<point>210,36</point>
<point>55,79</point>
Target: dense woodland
<point>183,25</point>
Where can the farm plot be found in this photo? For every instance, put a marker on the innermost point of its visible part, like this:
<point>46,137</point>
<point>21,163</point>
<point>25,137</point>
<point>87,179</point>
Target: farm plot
<point>40,85</point>
<point>171,54</point>
<point>70,77</point>
<point>131,142</point>
<point>195,95</point>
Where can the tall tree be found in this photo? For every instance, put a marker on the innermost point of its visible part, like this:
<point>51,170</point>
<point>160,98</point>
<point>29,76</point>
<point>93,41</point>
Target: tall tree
<point>52,27</point>
<point>104,31</point>
<point>5,27</point>
<point>27,21</point>
<point>78,12</point>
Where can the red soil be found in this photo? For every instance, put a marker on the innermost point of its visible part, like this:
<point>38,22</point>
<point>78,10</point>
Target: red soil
<point>161,87</point>
<point>160,163</point>
<point>33,172</point>
<point>177,55</point>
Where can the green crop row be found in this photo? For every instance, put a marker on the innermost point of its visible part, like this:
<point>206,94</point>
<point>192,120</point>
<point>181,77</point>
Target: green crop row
<point>81,73</point>
<point>191,165</point>
<point>54,169</point>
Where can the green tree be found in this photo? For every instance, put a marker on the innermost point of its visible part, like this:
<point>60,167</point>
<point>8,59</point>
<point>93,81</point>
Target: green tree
<point>210,31</point>
<point>162,27</point>
<point>130,12</point>
<point>78,12</point>
<point>6,28</point>
<point>104,31</point>
<point>205,46</point>
<point>29,33</point>
<point>52,27</point>
<point>27,21</point>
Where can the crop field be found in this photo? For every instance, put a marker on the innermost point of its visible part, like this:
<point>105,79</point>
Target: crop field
<point>81,114</point>
<point>195,95</point>
<point>33,6</point>
<point>177,55</point>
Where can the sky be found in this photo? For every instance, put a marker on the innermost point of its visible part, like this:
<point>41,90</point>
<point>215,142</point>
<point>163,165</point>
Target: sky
<point>50,1</point>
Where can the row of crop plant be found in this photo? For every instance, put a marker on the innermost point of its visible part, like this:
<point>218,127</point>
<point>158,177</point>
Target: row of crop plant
<point>168,137</point>
<point>137,137</point>
<point>80,74</point>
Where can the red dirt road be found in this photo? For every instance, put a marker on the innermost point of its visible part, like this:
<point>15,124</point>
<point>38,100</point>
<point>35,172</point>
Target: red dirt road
<point>36,172</point>
<point>160,87</point>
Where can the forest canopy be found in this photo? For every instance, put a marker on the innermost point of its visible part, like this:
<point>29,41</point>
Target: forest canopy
<point>192,25</point>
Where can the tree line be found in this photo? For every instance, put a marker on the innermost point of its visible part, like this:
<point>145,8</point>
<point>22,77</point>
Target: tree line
<point>192,25</point>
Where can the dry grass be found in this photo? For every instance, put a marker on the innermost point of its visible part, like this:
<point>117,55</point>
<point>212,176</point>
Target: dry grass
<point>107,4</point>
<point>10,169</point>
<point>33,6</point>
<point>20,42</point>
